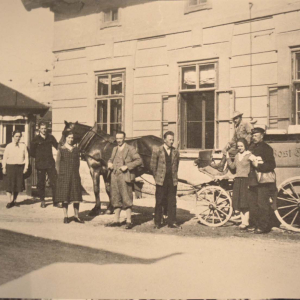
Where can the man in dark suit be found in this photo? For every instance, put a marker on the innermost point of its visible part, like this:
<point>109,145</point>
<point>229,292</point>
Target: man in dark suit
<point>260,193</point>
<point>164,166</point>
<point>123,161</point>
<point>41,150</point>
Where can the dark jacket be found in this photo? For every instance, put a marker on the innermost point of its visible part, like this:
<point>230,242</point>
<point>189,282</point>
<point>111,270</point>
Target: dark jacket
<point>41,150</point>
<point>265,151</point>
<point>158,165</point>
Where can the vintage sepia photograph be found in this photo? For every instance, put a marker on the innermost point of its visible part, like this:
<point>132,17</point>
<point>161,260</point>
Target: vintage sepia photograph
<point>149,149</point>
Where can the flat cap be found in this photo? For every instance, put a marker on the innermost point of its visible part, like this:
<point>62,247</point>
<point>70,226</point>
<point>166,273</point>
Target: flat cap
<point>257,130</point>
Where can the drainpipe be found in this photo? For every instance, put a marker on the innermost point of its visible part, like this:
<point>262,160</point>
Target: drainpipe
<point>250,23</point>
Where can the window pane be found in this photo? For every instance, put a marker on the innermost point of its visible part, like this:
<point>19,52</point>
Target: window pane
<point>209,135</point>
<point>202,1</point>
<point>194,108</point>
<point>102,111</point>
<point>9,131</point>
<point>102,127</point>
<point>102,85</point>
<point>192,2</point>
<point>114,128</point>
<point>114,15</point>
<point>297,65</point>
<point>188,78</point>
<point>116,84</point>
<point>209,106</point>
<point>107,16</point>
<point>207,76</point>
<point>116,111</point>
<point>20,128</point>
<point>194,134</point>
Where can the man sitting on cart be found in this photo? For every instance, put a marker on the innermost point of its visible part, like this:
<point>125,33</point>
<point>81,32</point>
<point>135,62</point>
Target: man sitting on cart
<point>242,129</point>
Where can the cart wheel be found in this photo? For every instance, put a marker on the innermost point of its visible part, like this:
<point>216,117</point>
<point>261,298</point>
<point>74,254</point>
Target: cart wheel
<point>288,204</point>
<point>213,206</point>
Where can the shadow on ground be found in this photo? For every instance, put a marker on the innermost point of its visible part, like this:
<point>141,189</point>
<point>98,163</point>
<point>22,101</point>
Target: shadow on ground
<point>22,254</point>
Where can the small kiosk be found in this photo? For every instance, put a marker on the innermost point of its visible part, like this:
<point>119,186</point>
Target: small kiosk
<point>18,111</point>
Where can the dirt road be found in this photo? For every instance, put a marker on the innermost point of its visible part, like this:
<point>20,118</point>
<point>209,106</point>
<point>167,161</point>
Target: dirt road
<point>43,258</point>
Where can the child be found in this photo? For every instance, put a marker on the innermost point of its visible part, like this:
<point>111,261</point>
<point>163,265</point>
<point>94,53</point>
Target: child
<point>240,188</point>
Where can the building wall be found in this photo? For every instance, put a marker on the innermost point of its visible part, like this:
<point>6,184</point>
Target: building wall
<point>152,41</point>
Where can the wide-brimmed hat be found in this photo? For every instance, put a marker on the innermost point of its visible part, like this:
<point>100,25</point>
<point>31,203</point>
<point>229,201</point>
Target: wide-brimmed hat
<point>257,130</point>
<point>236,114</point>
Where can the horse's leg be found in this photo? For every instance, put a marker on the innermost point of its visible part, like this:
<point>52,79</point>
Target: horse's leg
<point>109,209</point>
<point>96,184</point>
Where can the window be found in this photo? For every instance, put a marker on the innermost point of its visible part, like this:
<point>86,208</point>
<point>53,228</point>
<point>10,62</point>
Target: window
<point>111,18</point>
<point>195,5</point>
<point>198,83</point>
<point>198,76</point>
<point>296,88</point>
<point>8,128</point>
<point>110,101</point>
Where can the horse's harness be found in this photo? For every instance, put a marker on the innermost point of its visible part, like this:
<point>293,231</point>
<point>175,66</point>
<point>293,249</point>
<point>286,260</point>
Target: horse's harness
<point>86,140</point>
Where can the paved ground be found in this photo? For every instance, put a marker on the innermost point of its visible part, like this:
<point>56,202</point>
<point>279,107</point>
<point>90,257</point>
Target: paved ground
<point>43,258</point>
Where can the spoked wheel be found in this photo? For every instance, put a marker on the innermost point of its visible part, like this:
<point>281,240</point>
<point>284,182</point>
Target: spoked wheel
<point>213,206</point>
<point>288,204</point>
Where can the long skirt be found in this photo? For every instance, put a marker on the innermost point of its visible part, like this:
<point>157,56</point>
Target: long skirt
<point>13,180</point>
<point>240,193</point>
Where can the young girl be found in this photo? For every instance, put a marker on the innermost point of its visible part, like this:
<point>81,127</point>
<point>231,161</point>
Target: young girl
<point>240,188</point>
<point>68,188</point>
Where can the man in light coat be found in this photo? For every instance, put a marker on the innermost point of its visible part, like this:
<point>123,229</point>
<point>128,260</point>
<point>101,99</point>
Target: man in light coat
<point>164,166</point>
<point>242,129</point>
<point>123,161</point>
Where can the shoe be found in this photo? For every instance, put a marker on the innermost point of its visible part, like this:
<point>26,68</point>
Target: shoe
<point>259,231</point>
<point>58,205</point>
<point>243,227</point>
<point>157,226</point>
<point>66,220</point>
<point>109,212</point>
<point>220,166</point>
<point>251,229</point>
<point>128,225</point>
<point>10,205</point>
<point>164,220</point>
<point>174,226</point>
<point>113,224</point>
<point>43,205</point>
<point>77,220</point>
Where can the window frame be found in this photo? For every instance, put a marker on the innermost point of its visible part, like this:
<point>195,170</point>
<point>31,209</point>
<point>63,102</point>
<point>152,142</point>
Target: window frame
<point>198,64</point>
<point>110,97</point>
<point>199,6</point>
<point>110,23</point>
<point>295,87</point>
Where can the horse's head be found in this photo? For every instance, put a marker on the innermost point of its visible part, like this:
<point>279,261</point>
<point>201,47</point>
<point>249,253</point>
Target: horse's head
<point>79,130</point>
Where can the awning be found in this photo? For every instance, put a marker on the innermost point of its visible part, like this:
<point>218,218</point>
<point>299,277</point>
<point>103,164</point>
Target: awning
<point>14,102</point>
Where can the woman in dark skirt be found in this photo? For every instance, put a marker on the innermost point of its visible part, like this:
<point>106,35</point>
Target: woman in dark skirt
<point>240,188</point>
<point>14,165</point>
<point>68,187</point>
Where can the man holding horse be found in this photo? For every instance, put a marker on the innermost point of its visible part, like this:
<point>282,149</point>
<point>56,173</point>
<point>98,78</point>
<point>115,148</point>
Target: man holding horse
<point>164,165</point>
<point>123,162</point>
<point>41,150</point>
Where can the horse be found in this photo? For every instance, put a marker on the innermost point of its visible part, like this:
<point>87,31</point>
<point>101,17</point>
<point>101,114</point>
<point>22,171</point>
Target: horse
<point>96,147</point>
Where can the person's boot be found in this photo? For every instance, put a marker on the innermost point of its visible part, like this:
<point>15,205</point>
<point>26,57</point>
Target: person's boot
<point>219,166</point>
<point>43,205</point>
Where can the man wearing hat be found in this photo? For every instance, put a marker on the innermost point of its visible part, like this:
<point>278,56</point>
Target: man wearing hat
<point>260,193</point>
<point>242,129</point>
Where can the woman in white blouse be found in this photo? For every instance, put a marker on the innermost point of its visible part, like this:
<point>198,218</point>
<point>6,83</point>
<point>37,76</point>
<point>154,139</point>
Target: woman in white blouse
<point>15,164</point>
